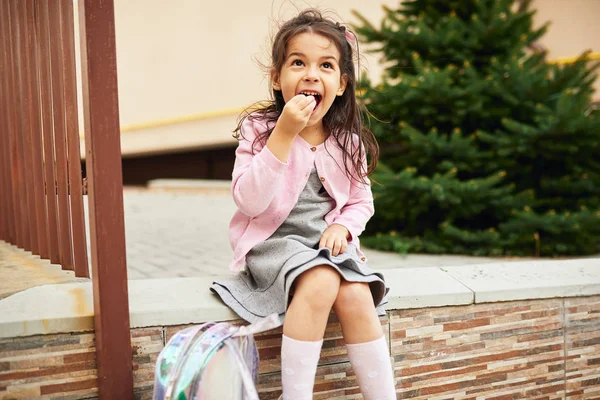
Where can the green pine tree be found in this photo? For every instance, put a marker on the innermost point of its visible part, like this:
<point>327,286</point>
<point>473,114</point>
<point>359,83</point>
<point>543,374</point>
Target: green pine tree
<point>486,148</point>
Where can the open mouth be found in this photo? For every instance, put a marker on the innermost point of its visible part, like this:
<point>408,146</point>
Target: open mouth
<point>316,95</point>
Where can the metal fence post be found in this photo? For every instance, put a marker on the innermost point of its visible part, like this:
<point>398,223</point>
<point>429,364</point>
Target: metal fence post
<point>105,188</point>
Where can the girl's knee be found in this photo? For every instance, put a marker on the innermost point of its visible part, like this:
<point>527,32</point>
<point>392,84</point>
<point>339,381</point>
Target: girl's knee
<point>318,287</point>
<point>354,297</point>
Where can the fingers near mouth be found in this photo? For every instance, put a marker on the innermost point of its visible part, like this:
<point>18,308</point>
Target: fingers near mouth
<point>316,97</point>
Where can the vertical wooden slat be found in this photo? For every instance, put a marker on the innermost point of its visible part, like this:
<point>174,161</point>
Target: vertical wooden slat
<point>13,180</point>
<point>13,134</point>
<point>40,222</point>
<point>11,137</point>
<point>7,220</point>
<point>105,197</point>
<point>9,196</point>
<point>47,128</point>
<point>60,139</point>
<point>4,187</point>
<point>26,115</point>
<point>17,164</point>
<point>70,81</point>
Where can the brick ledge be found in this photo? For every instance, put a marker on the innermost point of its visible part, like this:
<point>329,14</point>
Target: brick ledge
<point>177,301</point>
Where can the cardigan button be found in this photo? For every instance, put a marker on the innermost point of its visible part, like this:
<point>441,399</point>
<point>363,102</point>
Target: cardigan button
<point>322,179</point>
<point>313,149</point>
<point>363,259</point>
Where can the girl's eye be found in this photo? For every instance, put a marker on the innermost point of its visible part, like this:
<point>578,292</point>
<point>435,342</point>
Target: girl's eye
<point>297,63</point>
<point>327,65</point>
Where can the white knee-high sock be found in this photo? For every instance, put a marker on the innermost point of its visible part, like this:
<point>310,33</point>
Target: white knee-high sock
<point>299,361</point>
<point>373,368</point>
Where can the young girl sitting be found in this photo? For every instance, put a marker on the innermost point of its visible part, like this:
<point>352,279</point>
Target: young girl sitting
<point>300,183</point>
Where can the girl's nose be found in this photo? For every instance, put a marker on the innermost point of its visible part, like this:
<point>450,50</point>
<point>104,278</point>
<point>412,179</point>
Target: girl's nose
<point>311,75</point>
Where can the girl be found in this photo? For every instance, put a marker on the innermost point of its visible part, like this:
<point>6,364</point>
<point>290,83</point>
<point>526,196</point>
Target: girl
<point>303,196</point>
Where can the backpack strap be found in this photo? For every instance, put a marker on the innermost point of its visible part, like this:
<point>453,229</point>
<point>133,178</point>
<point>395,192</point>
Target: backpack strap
<point>181,360</point>
<point>209,353</point>
<point>266,324</point>
<point>247,378</point>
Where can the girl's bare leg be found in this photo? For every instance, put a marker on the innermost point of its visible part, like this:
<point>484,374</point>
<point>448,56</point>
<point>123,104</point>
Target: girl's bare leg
<point>355,309</point>
<point>305,321</point>
<point>367,347</point>
<point>314,294</point>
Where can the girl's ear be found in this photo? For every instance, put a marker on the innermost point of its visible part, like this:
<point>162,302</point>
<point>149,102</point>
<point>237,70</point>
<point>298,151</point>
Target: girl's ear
<point>275,79</point>
<point>343,83</point>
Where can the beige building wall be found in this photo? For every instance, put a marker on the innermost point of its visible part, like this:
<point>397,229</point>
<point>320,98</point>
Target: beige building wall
<point>574,28</point>
<point>195,57</point>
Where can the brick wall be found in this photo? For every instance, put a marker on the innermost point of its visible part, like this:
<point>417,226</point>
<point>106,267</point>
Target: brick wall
<point>540,349</point>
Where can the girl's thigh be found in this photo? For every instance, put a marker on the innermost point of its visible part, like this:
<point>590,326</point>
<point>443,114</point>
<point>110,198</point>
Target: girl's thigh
<point>321,282</point>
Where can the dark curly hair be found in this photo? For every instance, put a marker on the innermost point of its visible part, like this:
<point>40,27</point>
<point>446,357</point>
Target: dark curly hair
<point>344,117</point>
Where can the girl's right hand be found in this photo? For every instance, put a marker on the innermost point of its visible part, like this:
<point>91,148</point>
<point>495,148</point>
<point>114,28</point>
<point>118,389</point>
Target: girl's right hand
<point>296,113</point>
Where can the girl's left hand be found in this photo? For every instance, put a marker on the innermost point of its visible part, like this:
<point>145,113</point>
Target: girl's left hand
<point>335,238</point>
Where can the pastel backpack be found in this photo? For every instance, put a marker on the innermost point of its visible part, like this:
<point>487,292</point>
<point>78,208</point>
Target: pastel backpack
<point>213,361</point>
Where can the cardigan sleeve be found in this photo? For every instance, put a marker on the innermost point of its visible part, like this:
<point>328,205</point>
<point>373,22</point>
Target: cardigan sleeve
<point>359,209</point>
<point>257,175</point>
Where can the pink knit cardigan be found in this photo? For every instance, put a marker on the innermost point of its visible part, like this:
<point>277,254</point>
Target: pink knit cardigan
<point>265,190</point>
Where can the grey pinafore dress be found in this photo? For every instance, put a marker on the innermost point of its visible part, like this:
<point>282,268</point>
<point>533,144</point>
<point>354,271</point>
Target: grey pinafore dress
<point>263,288</point>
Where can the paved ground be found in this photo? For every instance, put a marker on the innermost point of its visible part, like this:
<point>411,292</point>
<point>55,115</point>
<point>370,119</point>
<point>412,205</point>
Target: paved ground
<point>184,233</point>
<point>20,270</point>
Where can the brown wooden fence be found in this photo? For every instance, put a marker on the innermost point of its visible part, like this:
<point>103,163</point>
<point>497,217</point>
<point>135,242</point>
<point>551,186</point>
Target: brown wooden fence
<point>41,187</point>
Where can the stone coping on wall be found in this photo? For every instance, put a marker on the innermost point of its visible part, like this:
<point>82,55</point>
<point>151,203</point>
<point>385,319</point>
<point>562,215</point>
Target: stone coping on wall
<point>189,184</point>
<point>69,307</point>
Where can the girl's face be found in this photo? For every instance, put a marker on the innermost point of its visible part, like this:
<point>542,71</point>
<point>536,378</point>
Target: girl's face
<point>311,67</point>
